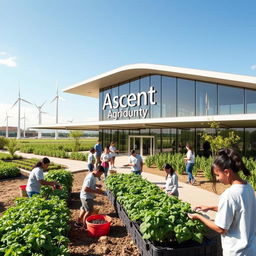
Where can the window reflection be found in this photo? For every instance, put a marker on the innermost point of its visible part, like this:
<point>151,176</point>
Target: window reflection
<point>250,98</point>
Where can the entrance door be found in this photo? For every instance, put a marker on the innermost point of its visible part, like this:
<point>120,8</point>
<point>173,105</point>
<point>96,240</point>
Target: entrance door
<point>144,145</point>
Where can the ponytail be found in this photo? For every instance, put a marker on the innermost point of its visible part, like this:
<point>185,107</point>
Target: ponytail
<point>39,164</point>
<point>230,159</point>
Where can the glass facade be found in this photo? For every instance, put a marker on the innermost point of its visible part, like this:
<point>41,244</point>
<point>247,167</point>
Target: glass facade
<point>159,96</point>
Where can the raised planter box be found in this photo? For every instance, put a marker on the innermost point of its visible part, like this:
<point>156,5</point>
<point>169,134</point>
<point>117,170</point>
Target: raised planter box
<point>147,248</point>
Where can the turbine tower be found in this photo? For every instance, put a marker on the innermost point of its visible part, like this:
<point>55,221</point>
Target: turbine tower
<point>24,125</point>
<point>40,112</point>
<point>57,98</point>
<point>19,100</point>
<point>7,130</point>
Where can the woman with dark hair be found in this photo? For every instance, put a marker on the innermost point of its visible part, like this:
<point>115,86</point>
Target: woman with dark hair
<point>36,178</point>
<point>171,185</point>
<point>190,161</point>
<point>236,211</point>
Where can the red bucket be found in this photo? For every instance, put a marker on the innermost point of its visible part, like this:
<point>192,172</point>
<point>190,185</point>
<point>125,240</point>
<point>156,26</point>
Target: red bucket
<point>23,192</point>
<point>97,230</point>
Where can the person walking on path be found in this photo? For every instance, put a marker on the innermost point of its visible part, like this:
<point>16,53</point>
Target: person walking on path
<point>136,162</point>
<point>171,185</point>
<point>87,195</point>
<point>105,159</point>
<point>36,178</point>
<point>190,161</point>
<point>236,211</point>
<point>91,160</point>
<point>113,152</point>
<point>98,152</point>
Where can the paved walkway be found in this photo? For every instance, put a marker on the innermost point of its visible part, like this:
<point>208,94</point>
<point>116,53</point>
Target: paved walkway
<point>192,194</point>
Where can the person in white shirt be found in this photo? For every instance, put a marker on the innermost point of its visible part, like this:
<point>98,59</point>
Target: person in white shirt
<point>36,178</point>
<point>171,184</point>
<point>87,194</point>
<point>105,159</point>
<point>91,160</point>
<point>113,152</point>
<point>236,211</point>
<point>190,161</point>
<point>136,162</point>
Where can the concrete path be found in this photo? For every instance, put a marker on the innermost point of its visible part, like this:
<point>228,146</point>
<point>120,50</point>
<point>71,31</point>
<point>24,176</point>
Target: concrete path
<point>188,193</point>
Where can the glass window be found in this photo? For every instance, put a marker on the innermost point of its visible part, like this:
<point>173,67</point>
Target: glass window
<point>155,84</point>
<point>168,96</point>
<point>144,87</point>
<point>106,110</point>
<point>158,142</point>
<point>186,97</point>
<point>231,100</point>
<point>134,88</point>
<point>169,140</point>
<point>185,136</point>
<point>206,99</point>
<point>123,141</point>
<point>250,99</point>
<point>123,108</point>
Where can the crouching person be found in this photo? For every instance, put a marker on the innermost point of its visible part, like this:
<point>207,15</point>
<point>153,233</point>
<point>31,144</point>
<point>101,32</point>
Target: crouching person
<point>87,194</point>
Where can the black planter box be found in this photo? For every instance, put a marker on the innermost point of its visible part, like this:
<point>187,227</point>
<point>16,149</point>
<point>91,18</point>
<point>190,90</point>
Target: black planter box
<point>147,248</point>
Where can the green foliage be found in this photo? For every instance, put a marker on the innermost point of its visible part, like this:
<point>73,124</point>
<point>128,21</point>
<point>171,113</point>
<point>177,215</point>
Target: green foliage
<point>12,146</point>
<point>79,156</point>
<point>8,170</point>
<point>3,142</point>
<point>64,177</point>
<point>76,136</point>
<point>4,156</point>
<point>35,226</point>
<point>218,141</point>
<point>162,217</point>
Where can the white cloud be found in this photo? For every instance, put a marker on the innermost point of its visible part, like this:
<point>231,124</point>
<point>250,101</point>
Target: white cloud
<point>253,67</point>
<point>9,62</point>
<point>3,53</point>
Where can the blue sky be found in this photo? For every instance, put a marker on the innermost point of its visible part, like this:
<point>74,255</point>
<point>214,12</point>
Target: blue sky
<point>45,41</point>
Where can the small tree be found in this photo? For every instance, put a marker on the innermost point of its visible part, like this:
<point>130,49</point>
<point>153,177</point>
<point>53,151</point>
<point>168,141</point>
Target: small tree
<point>12,146</point>
<point>76,135</point>
<point>3,142</point>
<point>218,141</point>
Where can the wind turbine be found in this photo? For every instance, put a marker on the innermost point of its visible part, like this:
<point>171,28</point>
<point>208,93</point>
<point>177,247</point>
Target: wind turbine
<point>57,98</point>
<point>6,119</point>
<point>19,101</point>
<point>24,127</point>
<point>40,112</point>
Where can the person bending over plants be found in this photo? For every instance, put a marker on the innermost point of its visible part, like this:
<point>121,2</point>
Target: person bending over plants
<point>236,211</point>
<point>171,185</point>
<point>36,178</point>
<point>87,194</point>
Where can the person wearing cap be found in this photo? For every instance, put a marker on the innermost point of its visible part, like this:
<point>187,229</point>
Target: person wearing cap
<point>171,184</point>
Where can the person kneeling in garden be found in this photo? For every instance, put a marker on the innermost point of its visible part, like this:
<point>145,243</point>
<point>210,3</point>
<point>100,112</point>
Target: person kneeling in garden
<point>171,184</point>
<point>87,194</point>
<point>36,178</point>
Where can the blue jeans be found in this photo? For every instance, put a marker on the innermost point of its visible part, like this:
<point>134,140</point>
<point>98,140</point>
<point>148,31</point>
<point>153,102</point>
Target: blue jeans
<point>31,193</point>
<point>106,172</point>
<point>189,168</point>
<point>137,172</point>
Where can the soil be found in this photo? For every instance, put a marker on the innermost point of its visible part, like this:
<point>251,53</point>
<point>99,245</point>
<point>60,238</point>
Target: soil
<point>117,242</point>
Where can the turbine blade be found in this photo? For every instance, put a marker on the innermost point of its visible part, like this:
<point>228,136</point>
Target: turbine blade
<point>43,103</point>
<point>54,99</point>
<point>27,101</point>
<point>15,103</point>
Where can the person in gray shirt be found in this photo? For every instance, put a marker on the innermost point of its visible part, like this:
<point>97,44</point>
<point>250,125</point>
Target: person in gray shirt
<point>36,178</point>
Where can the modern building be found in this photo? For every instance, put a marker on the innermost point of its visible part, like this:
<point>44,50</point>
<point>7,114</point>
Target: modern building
<point>156,108</point>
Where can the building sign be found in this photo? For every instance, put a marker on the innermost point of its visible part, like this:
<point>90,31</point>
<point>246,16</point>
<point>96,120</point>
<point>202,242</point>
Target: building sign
<point>118,105</point>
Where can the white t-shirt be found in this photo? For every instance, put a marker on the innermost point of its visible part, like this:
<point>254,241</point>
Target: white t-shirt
<point>33,181</point>
<point>237,213</point>
<point>191,157</point>
<point>171,184</point>
<point>90,182</point>
<point>112,150</point>
<point>91,158</point>
<point>105,157</point>
<point>136,161</point>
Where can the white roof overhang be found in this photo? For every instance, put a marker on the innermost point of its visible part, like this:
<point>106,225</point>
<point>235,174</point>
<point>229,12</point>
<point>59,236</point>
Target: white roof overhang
<point>226,121</point>
<point>91,87</point>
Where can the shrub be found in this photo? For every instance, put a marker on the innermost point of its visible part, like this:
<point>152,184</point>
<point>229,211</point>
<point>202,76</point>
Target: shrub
<point>3,142</point>
<point>8,170</point>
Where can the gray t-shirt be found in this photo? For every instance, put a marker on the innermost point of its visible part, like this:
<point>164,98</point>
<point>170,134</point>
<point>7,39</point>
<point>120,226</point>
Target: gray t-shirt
<point>136,161</point>
<point>90,182</point>
<point>171,184</point>
<point>33,180</point>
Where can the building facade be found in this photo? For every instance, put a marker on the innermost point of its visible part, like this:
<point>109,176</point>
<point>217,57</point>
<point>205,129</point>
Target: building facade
<point>156,108</point>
